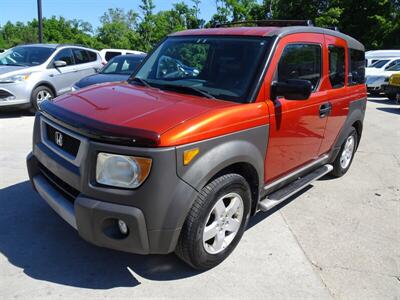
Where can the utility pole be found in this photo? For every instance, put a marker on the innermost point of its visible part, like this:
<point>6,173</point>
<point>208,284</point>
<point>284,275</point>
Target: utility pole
<point>39,6</point>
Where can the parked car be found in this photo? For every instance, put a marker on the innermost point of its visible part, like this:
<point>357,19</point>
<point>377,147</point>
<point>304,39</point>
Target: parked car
<point>392,89</point>
<point>375,55</point>
<point>179,161</point>
<point>119,68</point>
<point>30,74</point>
<point>107,54</point>
<point>376,84</point>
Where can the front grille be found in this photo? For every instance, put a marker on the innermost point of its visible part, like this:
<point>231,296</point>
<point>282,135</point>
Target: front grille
<point>62,140</point>
<point>65,189</point>
<point>5,94</point>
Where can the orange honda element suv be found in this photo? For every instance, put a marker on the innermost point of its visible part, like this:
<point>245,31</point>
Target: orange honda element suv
<point>214,126</point>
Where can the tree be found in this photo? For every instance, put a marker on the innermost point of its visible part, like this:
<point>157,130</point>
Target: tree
<point>119,29</point>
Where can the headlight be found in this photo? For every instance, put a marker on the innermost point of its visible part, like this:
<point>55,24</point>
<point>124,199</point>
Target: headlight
<point>121,170</point>
<point>15,78</point>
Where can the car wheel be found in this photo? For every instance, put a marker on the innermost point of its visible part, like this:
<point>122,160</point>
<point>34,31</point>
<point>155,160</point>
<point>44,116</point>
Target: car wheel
<point>40,94</point>
<point>392,97</point>
<point>216,222</point>
<point>345,157</point>
<point>374,94</point>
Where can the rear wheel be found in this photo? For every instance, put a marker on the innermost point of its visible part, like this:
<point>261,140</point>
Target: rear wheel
<point>391,97</point>
<point>216,222</point>
<point>345,157</point>
<point>40,94</point>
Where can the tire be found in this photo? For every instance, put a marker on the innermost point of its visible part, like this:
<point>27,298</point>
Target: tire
<point>199,253</point>
<point>40,94</point>
<point>345,157</point>
<point>374,94</point>
<point>392,97</point>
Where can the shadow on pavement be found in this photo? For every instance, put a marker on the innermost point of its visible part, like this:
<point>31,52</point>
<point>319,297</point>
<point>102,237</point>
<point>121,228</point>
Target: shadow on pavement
<point>393,110</point>
<point>381,101</point>
<point>261,216</point>
<point>8,114</point>
<point>35,239</point>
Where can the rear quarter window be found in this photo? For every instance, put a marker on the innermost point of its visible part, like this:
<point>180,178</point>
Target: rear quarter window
<point>357,67</point>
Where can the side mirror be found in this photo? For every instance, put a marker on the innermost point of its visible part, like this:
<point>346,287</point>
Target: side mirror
<point>59,63</point>
<point>292,89</point>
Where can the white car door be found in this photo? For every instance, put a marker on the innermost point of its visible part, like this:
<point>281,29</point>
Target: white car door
<point>63,77</point>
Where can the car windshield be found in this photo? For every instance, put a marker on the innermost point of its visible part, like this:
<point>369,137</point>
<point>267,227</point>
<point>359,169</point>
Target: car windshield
<point>25,56</point>
<point>124,65</point>
<point>379,64</point>
<point>212,66</point>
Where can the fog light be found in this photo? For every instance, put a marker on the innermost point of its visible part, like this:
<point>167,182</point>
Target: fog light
<point>123,227</point>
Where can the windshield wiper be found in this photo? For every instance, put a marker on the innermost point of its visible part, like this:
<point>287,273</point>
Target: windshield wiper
<point>140,80</point>
<point>188,88</point>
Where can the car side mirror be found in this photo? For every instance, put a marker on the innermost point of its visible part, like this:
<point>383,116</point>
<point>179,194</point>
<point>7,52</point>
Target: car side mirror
<point>59,63</point>
<point>292,89</point>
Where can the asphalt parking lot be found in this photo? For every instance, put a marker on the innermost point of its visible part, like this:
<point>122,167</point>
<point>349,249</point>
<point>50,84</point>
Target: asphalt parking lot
<point>338,239</point>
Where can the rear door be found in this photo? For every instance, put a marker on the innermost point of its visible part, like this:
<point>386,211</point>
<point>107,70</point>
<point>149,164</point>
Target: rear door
<point>63,77</point>
<point>339,94</point>
<point>296,127</point>
<point>85,63</point>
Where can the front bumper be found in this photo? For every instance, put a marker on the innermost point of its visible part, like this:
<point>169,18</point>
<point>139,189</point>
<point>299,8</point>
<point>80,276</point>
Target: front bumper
<point>15,94</point>
<point>154,212</point>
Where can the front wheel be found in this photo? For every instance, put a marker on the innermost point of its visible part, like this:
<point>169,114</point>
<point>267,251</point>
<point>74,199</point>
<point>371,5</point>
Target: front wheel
<point>345,157</point>
<point>216,222</point>
<point>40,94</point>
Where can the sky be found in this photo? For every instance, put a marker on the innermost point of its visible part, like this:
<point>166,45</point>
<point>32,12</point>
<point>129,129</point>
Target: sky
<point>87,10</point>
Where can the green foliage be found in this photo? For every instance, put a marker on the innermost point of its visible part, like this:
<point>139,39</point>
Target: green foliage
<point>376,23</point>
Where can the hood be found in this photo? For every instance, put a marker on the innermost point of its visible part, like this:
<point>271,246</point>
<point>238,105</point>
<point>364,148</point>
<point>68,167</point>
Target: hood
<point>101,78</point>
<point>128,111</point>
<point>13,70</point>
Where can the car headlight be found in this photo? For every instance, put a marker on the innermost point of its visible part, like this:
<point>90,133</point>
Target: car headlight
<point>121,170</point>
<point>15,78</point>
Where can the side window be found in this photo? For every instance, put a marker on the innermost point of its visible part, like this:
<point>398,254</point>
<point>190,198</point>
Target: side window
<point>65,55</point>
<point>336,66</point>
<point>391,64</point>
<point>111,54</point>
<point>357,67</point>
<point>81,56</point>
<point>301,61</point>
<point>91,55</point>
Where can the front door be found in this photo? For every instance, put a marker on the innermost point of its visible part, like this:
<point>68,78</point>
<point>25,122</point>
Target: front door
<point>63,77</point>
<point>296,126</point>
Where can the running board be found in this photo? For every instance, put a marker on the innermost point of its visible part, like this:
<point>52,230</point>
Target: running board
<point>281,195</point>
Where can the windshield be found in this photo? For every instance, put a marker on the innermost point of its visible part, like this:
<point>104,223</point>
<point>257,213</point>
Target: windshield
<point>221,67</point>
<point>25,56</point>
<point>379,64</point>
<point>125,65</point>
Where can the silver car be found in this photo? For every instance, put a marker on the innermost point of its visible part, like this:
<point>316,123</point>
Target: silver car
<point>30,74</point>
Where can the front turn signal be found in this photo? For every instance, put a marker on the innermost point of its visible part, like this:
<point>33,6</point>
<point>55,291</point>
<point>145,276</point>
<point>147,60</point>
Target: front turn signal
<point>188,155</point>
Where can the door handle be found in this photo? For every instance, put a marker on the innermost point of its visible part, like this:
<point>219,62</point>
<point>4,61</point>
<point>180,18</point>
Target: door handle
<point>325,109</point>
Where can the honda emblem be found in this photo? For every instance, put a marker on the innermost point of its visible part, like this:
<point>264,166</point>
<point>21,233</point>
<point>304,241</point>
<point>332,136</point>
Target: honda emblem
<point>59,138</point>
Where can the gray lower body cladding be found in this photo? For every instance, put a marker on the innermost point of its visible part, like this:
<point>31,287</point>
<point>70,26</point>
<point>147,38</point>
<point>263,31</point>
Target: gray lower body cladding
<point>154,212</point>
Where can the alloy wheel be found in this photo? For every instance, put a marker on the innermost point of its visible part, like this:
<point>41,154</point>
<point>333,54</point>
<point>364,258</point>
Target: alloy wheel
<point>223,223</point>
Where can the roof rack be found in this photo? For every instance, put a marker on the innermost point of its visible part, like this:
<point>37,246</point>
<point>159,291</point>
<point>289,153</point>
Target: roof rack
<point>272,23</point>
<point>335,28</point>
<point>64,45</point>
